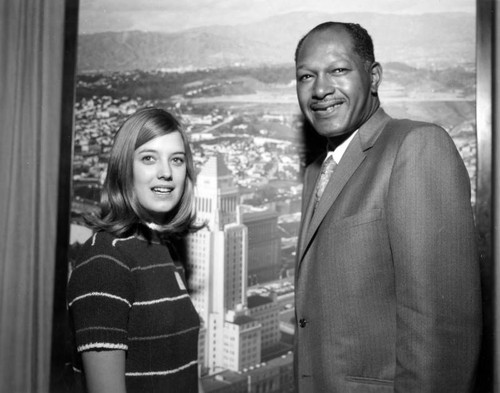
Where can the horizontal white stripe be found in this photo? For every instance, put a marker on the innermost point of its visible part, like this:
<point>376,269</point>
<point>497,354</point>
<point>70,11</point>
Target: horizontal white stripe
<point>162,300</point>
<point>152,266</point>
<point>159,337</point>
<point>102,294</point>
<point>102,256</point>
<point>86,347</point>
<point>106,328</point>
<point>166,372</point>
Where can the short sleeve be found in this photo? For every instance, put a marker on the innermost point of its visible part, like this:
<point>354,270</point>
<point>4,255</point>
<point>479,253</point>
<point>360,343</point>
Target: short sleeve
<point>100,295</point>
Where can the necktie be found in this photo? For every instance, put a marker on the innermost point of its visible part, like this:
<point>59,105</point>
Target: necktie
<point>327,169</point>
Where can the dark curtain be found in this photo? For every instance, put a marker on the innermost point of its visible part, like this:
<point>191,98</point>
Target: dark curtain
<point>31,59</point>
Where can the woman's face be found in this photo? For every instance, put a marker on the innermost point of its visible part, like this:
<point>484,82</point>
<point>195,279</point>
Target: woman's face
<point>159,171</point>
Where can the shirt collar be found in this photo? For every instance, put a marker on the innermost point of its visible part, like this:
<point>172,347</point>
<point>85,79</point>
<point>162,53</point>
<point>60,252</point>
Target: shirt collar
<point>340,150</point>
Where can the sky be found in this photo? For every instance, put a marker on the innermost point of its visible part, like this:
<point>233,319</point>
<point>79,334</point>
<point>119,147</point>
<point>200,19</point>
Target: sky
<point>169,16</point>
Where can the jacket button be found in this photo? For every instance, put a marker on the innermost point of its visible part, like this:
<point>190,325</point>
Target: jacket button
<point>302,322</point>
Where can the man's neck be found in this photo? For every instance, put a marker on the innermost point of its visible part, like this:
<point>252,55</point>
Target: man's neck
<point>336,141</point>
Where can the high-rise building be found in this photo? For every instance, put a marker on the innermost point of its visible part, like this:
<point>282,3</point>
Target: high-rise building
<point>265,309</point>
<point>265,242</point>
<point>241,342</point>
<point>218,256</point>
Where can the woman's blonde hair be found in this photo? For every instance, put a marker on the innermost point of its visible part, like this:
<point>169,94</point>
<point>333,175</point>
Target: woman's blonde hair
<point>121,213</point>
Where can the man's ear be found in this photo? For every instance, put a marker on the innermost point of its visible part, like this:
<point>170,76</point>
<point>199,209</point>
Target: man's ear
<point>376,77</point>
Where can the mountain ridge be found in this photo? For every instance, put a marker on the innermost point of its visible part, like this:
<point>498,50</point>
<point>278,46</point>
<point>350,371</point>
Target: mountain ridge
<point>427,40</point>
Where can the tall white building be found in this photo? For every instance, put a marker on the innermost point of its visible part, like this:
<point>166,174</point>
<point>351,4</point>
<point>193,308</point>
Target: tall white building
<point>218,255</point>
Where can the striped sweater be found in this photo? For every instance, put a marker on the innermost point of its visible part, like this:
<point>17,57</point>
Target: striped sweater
<point>127,293</point>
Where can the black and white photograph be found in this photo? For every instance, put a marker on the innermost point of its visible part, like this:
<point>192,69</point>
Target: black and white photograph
<point>223,196</point>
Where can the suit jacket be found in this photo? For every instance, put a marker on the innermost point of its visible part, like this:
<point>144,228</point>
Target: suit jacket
<point>387,280</point>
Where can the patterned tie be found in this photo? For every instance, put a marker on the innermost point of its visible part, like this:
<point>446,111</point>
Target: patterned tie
<point>327,169</point>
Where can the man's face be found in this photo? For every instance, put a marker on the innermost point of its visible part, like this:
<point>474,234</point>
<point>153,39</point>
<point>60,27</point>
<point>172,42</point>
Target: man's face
<point>334,85</point>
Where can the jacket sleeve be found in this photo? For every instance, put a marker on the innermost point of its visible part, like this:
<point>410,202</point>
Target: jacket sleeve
<point>436,265</point>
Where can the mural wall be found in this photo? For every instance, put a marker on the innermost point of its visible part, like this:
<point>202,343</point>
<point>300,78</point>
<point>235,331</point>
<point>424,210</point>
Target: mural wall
<point>227,73</point>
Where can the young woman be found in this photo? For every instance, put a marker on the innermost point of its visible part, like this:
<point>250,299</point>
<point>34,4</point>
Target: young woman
<point>135,327</point>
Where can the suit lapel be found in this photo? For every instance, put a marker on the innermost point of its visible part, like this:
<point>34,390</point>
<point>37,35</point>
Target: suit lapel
<point>308,207</point>
<point>352,158</point>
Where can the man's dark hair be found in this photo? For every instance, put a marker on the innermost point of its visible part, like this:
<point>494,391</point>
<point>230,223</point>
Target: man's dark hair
<point>362,42</point>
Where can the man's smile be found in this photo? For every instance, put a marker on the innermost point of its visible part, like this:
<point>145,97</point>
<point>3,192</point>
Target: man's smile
<point>326,107</point>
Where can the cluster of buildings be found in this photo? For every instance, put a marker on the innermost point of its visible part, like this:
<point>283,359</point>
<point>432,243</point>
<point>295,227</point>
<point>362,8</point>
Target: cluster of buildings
<point>255,160</point>
<point>241,338</point>
<point>242,261</point>
<point>244,342</point>
<point>241,342</point>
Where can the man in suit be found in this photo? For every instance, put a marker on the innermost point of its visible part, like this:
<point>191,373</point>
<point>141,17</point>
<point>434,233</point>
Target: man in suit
<point>387,281</point>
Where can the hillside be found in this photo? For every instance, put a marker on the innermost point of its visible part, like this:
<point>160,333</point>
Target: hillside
<point>419,40</point>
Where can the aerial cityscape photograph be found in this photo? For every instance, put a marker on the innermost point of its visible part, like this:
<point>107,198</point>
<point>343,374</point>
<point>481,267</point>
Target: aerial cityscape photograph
<point>227,72</point>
